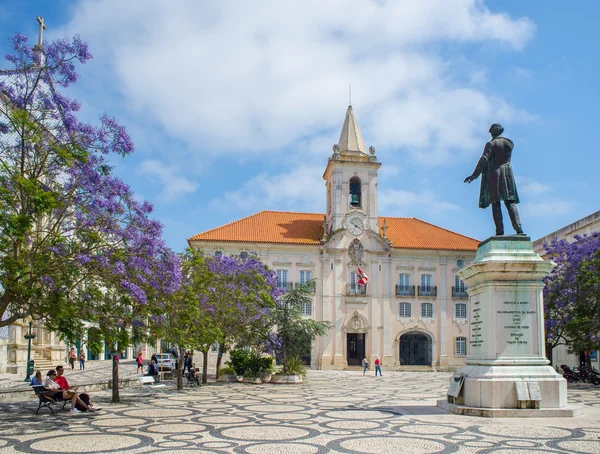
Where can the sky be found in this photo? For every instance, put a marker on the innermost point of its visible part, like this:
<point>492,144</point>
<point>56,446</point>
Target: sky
<point>234,106</point>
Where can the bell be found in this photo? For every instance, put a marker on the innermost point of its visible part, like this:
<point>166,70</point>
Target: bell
<point>354,200</point>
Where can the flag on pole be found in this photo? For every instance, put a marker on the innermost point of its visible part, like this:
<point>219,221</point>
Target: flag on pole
<point>362,277</point>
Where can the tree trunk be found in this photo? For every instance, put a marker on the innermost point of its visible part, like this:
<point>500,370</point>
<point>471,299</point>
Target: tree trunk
<point>549,349</point>
<point>180,369</point>
<point>220,358</point>
<point>115,378</point>
<point>205,366</point>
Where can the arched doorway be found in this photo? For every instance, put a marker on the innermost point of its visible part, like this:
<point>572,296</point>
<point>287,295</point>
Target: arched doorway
<point>415,349</point>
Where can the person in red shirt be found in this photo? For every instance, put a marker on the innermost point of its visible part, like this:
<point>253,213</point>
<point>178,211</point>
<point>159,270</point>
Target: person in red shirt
<point>378,367</point>
<point>83,401</point>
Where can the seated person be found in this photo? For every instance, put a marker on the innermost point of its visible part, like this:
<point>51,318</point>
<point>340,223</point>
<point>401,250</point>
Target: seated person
<point>83,403</point>
<point>194,375</point>
<point>152,370</point>
<point>59,394</point>
<point>37,379</point>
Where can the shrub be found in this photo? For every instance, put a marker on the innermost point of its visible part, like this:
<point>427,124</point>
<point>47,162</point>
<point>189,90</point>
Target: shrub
<point>227,370</point>
<point>239,360</point>
<point>295,366</point>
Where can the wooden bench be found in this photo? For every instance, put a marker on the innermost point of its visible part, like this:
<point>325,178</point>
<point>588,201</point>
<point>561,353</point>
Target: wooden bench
<point>147,383</point>
<point>46,399</point>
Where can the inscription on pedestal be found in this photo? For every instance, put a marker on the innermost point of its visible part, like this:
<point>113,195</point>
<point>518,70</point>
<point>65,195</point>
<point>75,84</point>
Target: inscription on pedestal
<point>514,320</point>
<point>476,340</point>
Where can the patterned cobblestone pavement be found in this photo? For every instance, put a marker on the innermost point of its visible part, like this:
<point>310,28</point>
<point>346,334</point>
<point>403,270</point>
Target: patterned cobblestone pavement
<point>332,412</point>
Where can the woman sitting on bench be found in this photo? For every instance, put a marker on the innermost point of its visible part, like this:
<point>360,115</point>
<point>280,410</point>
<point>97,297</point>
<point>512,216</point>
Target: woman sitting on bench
<point>60,394</point>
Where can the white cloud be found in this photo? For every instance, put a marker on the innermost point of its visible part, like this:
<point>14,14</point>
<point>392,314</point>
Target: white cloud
<point>174,185</point>
<point>547,208</point>
<point>407,201</point>
<point>302,189</point>
<point>249,78</point>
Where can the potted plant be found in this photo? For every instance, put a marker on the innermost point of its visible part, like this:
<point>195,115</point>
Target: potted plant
<point>266,368</point>
<point>227,374</point>
<point>238,360</point>
<point>296,371</point>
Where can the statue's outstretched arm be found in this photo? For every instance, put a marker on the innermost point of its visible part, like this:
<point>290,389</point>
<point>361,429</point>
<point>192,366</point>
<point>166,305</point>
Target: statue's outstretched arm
<point>481,164</point>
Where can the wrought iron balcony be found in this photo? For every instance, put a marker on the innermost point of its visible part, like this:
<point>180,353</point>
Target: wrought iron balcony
<point>461,293</point>
<point>427,290</point>
<point>357,289</point>
<point>405,290</point>
<point>311,285</point>
<point>285,286</point>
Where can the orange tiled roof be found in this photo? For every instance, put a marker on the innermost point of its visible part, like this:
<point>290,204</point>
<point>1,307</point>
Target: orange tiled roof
<point>283,227</point>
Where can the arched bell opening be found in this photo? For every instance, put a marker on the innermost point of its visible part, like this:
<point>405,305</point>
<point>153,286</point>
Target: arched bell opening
<point>355,196</point>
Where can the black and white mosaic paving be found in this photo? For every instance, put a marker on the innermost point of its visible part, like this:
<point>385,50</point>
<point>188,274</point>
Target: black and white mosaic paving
<point>331,412</point>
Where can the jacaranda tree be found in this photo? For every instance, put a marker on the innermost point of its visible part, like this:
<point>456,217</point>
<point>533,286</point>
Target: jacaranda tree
<point>75,245</point>
<point>572,294</point>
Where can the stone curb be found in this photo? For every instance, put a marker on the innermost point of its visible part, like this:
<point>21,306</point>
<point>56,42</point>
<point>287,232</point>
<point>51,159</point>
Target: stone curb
<point>25,393</point>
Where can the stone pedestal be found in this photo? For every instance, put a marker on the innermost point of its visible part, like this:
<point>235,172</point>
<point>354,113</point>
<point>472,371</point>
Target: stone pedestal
<point>506,361</point>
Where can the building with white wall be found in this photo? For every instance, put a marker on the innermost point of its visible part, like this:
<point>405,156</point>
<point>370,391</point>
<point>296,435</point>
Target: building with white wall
<point>413,312</point>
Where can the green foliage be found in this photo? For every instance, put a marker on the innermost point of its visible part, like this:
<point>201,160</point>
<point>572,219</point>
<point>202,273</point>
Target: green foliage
<point>227,370</point>
<point>294,332</point>
<point>296,366</point>
<point>238,360</point>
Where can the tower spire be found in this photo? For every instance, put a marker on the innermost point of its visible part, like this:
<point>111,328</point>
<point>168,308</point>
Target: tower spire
<point>351,139</point>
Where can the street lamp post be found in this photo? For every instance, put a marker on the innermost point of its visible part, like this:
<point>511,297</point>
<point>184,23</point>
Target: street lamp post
<point>29,336</point>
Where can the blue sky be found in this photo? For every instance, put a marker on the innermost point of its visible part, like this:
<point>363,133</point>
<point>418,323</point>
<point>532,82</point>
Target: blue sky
<point>234,107</point>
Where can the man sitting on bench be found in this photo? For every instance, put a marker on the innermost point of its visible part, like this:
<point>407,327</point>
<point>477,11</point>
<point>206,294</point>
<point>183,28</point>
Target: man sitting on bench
<point>83,401</point>
<point>58,392</point>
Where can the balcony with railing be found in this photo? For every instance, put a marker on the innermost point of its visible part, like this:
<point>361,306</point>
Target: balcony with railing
<point>430,290</point>
<point>405,290</point>
<point>310,285</point>
<point>356,289</point>
<point>461,292</point>
<point>285,286</point>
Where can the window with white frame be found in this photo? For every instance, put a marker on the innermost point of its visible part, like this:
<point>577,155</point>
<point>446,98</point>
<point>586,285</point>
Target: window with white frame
<point>218,254</point>
<point>353,280</point>
<point>404,281</point>
<point>426,282</point>
<point>281,278</point>
<point>460,310</point>
<point>304,276</point>
<point>306,308</point>
<point>244,255</point>
<point>426,310</point>
<point>214,348</point>
<point>459,285</point>
<point>405,310</point>
<point>461,346</point>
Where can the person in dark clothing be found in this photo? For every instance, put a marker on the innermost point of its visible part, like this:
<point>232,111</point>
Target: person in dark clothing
<point>497,179</point>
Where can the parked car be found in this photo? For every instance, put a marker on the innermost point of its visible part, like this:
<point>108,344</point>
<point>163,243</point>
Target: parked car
<point>165,361</point>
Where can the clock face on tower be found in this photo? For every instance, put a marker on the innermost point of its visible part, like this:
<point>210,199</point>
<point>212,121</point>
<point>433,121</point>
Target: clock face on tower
<point>355,226</point>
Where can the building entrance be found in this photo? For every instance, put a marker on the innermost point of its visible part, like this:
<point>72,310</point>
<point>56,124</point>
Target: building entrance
<point>415,350</point>
<point>355,351</point>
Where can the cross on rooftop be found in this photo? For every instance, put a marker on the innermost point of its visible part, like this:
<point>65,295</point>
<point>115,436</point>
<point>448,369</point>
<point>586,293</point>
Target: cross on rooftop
<point>42,27</point>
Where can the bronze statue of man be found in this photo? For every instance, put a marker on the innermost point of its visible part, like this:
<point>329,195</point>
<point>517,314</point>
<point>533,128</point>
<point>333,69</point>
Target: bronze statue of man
<point>497,179</point>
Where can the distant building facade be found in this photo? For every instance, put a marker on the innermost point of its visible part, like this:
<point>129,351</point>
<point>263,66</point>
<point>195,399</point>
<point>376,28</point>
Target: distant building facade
<point>413,312</point>
<point>584,226</point>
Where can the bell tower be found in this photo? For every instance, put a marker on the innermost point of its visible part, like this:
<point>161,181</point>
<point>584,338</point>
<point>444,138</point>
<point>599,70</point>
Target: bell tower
<point>351,182</point>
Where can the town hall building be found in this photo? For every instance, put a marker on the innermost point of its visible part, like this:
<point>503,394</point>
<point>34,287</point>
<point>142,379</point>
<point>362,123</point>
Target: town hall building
<point>413,311</point>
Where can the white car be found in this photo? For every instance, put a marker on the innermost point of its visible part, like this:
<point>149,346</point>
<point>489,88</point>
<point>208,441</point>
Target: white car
<point>165,361</point>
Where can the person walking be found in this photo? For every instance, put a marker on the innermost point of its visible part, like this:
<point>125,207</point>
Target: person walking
<point>365,365</point>
<point>140,363</point>
<point>378,367</point>
<point>82,359</point>
<point>72,356</point>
